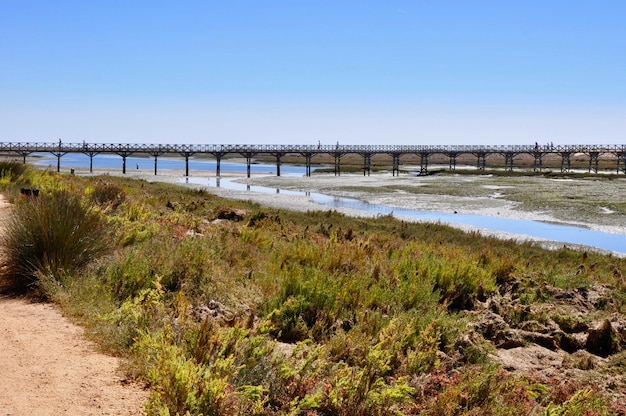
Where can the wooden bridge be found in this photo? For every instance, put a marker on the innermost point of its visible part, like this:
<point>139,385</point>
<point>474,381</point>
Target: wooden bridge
<point>424,152</point>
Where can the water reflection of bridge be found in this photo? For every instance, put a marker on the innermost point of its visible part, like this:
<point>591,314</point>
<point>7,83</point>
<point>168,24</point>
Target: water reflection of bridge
<point>481,154</point>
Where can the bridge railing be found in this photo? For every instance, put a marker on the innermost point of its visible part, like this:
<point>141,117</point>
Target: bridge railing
<point>85,147</point>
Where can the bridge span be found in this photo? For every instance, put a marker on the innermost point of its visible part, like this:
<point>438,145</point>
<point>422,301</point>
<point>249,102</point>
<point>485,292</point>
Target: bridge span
<point>480,153</point>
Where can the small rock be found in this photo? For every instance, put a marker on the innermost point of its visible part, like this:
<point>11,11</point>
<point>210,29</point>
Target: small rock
<point>490,324</point>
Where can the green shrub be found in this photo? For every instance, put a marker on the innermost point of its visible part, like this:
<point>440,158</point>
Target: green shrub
<point>106,193</point>
<point>583,402</point>
<point>213,371</point>
<point>52,235</point>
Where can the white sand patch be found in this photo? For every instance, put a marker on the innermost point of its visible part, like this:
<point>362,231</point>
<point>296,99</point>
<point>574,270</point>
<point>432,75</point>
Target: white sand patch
<point>496,187</point>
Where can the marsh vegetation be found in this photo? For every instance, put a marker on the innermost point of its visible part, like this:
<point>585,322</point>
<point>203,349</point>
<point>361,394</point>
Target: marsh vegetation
<point>594,201</point>
<point>224,307</point>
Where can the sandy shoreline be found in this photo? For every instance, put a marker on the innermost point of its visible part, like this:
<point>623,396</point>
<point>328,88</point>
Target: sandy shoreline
<point>480,195</point>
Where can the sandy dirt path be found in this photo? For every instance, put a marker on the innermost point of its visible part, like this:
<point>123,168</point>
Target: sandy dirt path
<point>47,367</point>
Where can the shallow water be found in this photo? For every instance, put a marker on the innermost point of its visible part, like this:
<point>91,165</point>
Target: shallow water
<point>537,229</point>
<point>144,164</point>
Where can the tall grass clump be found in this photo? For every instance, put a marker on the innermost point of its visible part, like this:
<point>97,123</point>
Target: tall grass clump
<point>53,235</point>
<point>10,171</point>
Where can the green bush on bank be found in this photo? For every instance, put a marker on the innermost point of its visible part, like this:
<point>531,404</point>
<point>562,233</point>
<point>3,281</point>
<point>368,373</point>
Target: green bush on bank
<point>53,235</point>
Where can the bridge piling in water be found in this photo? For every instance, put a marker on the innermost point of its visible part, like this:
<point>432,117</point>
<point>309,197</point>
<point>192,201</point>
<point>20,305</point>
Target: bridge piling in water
<point>278,156</point>
<point>423,163</point>
<point>91,155</point>
<point>307,158</point>
<point>367,165</point>
<point>218,161</point>
<point>186,154</point>
<point>248,155</point>
<point>338,156</point>
<point>156,154</point>
<point>395,164</point>
<point>124,151</point>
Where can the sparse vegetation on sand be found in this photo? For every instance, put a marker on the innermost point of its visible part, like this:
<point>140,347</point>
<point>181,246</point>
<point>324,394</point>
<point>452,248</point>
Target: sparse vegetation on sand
<point>227,307</point>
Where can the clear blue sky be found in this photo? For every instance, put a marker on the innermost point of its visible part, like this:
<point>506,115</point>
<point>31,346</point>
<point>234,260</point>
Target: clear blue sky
<point>357,72</point>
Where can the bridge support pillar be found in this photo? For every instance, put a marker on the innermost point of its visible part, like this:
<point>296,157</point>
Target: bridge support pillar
<point>566,161</point>
<point>338,164</point>
<point>367,164</point>
<point>278,156</point>
<point>156,154</point>
<point>124,154</point>
<point>248,156</point>
<point>186,155</point>
<point>424,163</point>
<point>58,155</point>
<point>452,157</point>
<point>218,162</point>
<point>593,161</point>
<point>308,164</point>
<point>24,154</point>
<point>538,161</point>
<point>91,154</point>
<point>481,160</point>
<point>395,169</point>
<point>621,160</point>
<point>508,161</point>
